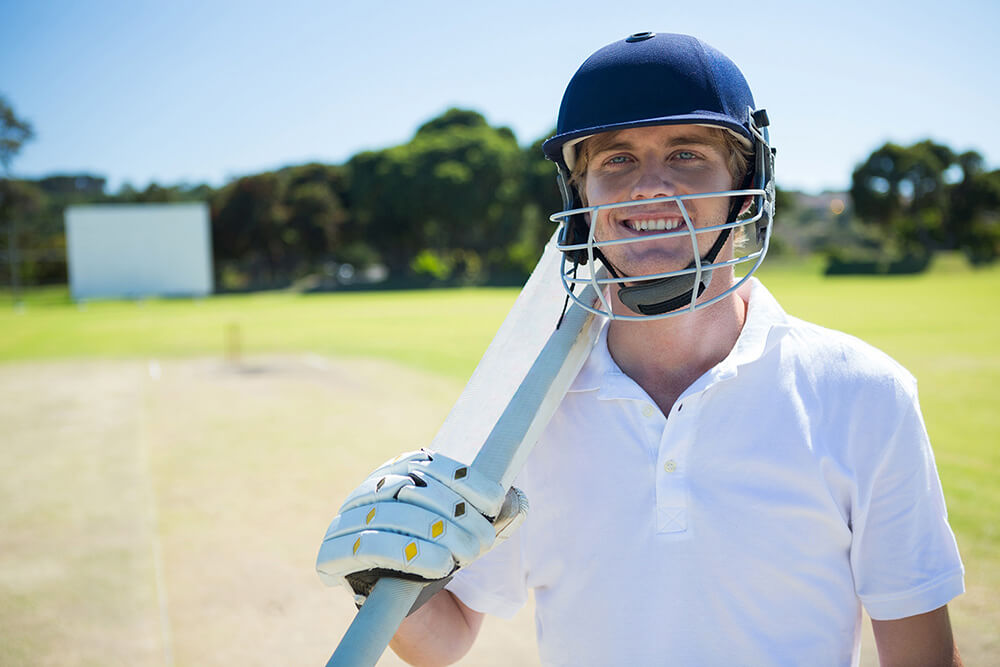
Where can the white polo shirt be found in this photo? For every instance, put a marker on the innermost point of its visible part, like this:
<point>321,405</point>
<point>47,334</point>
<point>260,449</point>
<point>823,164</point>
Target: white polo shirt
<point>791,484</point>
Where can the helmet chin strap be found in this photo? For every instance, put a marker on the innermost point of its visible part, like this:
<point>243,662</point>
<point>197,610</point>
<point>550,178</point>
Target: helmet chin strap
<point>655,297</point>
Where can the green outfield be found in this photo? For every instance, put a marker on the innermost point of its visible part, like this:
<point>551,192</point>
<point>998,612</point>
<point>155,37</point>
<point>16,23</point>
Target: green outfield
<point>172,463</point>
<point>443,331</point>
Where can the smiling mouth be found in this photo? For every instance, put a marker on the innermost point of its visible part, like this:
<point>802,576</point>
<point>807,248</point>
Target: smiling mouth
<point>657,225</point>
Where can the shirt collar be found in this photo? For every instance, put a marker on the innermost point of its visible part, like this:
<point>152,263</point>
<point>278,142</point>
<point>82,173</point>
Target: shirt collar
<point>765,323</point>
<point>599,365</point>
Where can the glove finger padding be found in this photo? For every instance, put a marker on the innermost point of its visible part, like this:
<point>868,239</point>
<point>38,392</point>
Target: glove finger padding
<point>382,550</point>
<point>484,494</point>
<point>419,516</point>
<point>464,537</point>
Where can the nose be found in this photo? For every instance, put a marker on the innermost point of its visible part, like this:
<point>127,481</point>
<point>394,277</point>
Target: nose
<point>653,180</point>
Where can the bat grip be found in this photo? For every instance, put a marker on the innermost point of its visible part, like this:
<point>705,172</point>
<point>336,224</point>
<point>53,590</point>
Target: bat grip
<point>376,622</point>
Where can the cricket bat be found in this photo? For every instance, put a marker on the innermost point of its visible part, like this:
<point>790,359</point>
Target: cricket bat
<point>511,396</point>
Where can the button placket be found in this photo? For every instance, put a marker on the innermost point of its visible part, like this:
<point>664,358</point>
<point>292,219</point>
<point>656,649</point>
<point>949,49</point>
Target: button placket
<point>652,424</point>
<point>671,478</point>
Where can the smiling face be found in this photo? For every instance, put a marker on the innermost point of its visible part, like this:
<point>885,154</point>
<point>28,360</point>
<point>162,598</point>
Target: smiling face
<point>649,162</point>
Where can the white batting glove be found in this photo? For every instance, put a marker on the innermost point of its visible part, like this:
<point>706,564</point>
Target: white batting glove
<point>420,516</point>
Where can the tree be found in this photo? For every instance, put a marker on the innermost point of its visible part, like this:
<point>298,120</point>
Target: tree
<point>449,196</point>
<point>926,197</point>
<point>23,201</point>
<point>14,133</point>
<point>248,220</point>
<point>318,213</point>
<point>974,210</point>
<point>903,191</point>
<point>538,198</point>
<point>315,217</point>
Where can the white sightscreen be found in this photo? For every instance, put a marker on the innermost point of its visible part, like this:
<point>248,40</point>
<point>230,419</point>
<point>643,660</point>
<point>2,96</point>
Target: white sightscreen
<point>134,250</point>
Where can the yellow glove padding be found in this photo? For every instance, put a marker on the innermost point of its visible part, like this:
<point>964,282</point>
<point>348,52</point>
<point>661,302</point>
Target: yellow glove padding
<point>419,516</point>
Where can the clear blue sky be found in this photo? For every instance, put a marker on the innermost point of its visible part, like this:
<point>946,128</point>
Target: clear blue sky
<point>205,91</point>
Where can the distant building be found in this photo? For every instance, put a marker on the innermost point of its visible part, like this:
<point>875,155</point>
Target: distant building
<point>138,250</point>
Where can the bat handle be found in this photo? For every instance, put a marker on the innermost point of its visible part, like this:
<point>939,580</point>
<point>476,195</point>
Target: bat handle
<point>376,623</point>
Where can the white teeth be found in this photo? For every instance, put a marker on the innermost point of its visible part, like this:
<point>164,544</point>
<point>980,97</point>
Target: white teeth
<point>653,225</point>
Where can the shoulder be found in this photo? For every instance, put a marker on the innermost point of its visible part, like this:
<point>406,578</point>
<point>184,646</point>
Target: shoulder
<point>808,353</point>
<point>850,401</point>
<point>861,405</point>
<point>838,350</point>
<point>845,385</point>
<point>830,357</point>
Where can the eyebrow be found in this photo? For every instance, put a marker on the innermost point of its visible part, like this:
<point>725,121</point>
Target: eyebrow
<point>616,144</point>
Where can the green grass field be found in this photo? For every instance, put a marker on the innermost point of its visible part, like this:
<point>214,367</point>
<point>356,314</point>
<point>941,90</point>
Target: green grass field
<point>442,331</point>
<point>942,326</point>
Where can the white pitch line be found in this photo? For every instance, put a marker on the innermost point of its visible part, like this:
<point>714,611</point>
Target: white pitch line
<point>161,594</point>
<point>166,635</point>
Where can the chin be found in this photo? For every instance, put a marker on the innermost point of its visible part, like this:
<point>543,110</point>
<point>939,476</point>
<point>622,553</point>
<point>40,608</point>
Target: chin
<point>652,261</point>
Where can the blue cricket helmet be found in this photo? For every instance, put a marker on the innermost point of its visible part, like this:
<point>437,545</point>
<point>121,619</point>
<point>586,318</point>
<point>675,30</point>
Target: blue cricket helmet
<point>651,79</point>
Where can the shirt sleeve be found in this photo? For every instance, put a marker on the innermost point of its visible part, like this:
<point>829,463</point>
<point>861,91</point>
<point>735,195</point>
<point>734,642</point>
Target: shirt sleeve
<point>904,555</point>
<point>495,583</point>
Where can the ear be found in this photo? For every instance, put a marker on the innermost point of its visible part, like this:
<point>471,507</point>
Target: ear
<point>743,184</point>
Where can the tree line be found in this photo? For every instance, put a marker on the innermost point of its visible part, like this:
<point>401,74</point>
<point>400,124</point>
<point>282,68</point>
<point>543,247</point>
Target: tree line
<point>463,203</point>
<point>460,203</point>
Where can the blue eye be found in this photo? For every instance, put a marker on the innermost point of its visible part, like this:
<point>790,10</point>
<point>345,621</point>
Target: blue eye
<point>686,155</point>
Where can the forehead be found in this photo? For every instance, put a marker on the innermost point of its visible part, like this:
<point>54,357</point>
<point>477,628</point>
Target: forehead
<point>657,135</point>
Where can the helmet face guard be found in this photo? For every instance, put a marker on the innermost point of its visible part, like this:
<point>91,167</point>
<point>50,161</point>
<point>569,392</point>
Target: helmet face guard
<point>649,79</point>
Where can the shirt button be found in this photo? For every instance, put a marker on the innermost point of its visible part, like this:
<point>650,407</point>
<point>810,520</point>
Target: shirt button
<point>670,465</point>
<point>648,411</point>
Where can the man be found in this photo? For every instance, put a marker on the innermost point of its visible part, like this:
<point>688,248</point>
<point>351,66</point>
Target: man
<point>723,483</point>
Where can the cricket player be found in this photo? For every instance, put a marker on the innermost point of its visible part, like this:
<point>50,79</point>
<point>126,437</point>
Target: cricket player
<point>723,484</point>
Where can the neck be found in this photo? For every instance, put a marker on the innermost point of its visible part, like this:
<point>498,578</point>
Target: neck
<point>665,356</point>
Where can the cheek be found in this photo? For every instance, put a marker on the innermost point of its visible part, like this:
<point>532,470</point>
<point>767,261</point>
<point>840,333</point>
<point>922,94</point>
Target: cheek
<point>598,191</point>
<point>588,191</point>
<point>713,180</point>
<point>709,211</point>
